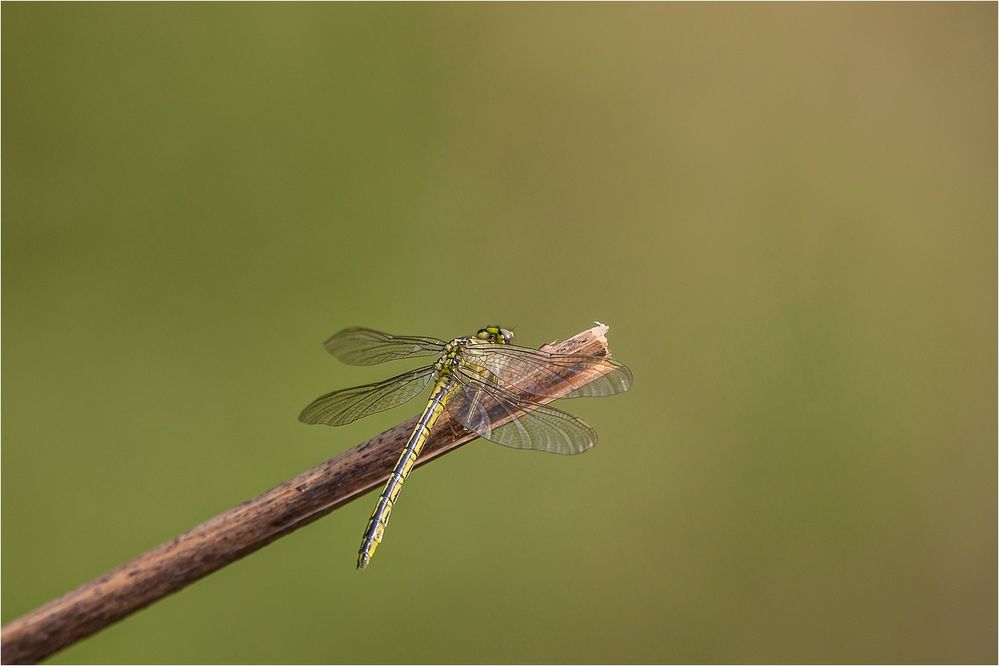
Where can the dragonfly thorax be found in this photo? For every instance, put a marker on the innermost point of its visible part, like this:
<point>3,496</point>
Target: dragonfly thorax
<point>451,357</point>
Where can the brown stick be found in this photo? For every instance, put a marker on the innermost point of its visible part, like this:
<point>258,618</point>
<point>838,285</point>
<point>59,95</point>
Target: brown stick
<point>236,533</point>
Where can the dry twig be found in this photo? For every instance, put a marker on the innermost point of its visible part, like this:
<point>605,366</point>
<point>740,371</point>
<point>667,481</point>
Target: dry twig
<point>235,533</point>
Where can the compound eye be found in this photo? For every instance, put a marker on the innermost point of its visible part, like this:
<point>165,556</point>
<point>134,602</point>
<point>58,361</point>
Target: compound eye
<point>507,335</point>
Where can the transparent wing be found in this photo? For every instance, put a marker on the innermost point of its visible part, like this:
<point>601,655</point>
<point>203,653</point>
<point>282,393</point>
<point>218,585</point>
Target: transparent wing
<point>348,405</point>
<point>537,372</point>
<point>363,346</point>
<point>480,407</point>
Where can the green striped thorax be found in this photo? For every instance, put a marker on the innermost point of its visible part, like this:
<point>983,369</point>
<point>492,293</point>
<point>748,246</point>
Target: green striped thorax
<point>452,350</point>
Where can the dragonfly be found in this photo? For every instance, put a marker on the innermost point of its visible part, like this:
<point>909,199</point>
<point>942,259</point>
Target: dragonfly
<point>484,382</point>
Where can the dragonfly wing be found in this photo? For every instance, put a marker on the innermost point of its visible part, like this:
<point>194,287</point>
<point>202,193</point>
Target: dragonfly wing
<point>481,407</point>
<point>538,373</point>
<point>348,405</point>
<point>364,346</point>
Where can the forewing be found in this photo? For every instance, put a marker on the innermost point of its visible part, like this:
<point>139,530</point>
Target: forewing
<point>348,405</point>
<point>480,407</point>
<point>540,373</point>
<point>364,346</point>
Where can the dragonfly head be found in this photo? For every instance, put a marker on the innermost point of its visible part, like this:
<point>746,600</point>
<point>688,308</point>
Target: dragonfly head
<point>495,334</point>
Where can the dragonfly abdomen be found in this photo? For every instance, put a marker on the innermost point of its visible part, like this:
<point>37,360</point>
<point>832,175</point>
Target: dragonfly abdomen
<point>383,508</point>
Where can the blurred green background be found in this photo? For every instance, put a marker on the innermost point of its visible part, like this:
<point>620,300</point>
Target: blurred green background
<point>786,213</point>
